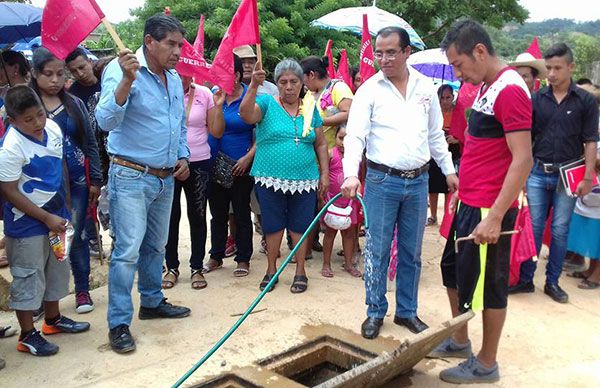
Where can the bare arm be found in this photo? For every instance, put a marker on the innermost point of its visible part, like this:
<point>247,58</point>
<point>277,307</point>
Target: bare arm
<point>519,143</point>
<point>249,111</point>
<point>216,121</point>
<point>585,186</point>
<point>341,117</point>
<point>11,192</point>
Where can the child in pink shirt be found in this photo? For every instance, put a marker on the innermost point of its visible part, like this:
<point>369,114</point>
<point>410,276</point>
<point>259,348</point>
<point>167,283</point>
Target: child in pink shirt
<point>336,178</point>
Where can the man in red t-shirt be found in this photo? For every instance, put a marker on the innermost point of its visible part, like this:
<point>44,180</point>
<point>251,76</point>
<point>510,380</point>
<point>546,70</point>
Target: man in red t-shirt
<point>494,167</point>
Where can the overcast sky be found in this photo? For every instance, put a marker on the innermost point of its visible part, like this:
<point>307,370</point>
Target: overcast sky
<point>580,10</point>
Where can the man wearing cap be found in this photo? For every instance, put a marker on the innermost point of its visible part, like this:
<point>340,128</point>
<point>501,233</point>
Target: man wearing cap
<point>249,60</point>
<point>530,69</point>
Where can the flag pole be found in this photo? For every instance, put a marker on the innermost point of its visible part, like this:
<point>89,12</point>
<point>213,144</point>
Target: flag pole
<point>113,34</point>
<point>259,54</point>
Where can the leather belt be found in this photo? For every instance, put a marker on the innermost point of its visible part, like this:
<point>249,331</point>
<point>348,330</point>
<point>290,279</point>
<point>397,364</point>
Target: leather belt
<point>158,172</point>
<point>407,174</point>
<point>552,168</point>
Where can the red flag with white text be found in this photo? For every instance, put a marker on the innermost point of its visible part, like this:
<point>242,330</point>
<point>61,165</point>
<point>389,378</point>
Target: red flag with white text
<point>343,71</point>
<point>66,23</point>
<point>192,64</point>
<point>329,55</point>
<point>367,60</point>
<point>199,42</point>
<point>242,30</point>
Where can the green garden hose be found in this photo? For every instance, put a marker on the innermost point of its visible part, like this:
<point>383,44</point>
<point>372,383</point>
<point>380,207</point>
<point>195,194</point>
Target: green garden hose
<point>264,292</point>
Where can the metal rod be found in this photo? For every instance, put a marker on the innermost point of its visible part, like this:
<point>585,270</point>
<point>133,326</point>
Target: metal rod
<point>471,237</point>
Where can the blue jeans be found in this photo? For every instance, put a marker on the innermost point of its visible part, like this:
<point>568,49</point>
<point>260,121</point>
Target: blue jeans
<point>393,201</point>
<point>140,206</point>
<point>545,191</point>
<point>80,251</point>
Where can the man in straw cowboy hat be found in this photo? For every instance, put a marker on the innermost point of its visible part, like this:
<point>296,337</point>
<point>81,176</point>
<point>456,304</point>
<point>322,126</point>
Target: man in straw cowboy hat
<point>530,69</point>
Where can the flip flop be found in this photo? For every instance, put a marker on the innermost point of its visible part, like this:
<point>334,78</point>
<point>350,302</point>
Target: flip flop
<point>168,283</point>
<point>353,272</point>
<point>299,285</point>
<point>327,272</point>
<point>213,264</point>
<point>240,272</point>
<point>265,281</point>
<point>198,281</point>
<point>588,285</point>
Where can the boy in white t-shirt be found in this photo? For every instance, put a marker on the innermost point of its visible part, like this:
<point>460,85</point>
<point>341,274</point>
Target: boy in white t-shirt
<point>31,180</point>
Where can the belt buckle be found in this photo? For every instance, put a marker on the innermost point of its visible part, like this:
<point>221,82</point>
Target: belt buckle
<point>548,168</point>
<point>410,174</point>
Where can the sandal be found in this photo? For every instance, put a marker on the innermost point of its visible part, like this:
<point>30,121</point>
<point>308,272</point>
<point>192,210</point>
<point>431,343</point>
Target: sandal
<point>212,265</point>
<point>243,269</point>
<point>327,272</point>
<point>198,281</point>
<point>431,221</point>
<point>7,331</point>
<point>170,279</point>
<point>588,285</point>
<point>577,275</point>
<point>265,282</point>
<point>353,271</point>
<point>340,253</point>
<point>299,285</point>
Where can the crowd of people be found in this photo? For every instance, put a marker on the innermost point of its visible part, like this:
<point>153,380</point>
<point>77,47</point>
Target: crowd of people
<point>132,128</point>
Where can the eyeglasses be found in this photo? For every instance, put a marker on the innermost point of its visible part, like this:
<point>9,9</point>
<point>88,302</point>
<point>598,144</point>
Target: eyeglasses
<point>389,56</point>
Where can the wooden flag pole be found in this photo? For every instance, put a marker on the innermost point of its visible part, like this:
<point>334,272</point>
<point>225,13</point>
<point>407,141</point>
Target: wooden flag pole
<point>259,54</point>
<point>113,34</point>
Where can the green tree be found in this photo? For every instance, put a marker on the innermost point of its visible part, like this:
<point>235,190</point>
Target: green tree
<point>285,29</point>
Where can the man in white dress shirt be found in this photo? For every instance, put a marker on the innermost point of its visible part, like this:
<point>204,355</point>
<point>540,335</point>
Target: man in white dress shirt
<point>396,115</point>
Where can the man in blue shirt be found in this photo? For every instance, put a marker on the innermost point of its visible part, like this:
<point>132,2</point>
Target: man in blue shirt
<point>141,106</point>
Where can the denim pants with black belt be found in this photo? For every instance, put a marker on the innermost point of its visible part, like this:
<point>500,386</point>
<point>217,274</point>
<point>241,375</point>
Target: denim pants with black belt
<point>140,207</point>
<point>393,201</point>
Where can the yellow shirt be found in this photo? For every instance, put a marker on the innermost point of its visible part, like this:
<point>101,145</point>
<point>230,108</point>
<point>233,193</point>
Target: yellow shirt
<point>339,91</point>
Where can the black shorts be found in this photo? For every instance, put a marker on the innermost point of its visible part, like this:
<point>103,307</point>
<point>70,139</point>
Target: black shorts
<point>462,270</point>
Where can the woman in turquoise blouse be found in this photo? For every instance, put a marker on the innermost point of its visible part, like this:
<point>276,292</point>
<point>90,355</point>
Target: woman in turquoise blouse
<point>291,162</point>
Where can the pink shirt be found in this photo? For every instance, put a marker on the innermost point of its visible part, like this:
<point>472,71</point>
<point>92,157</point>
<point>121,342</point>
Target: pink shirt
<point>197,128</point>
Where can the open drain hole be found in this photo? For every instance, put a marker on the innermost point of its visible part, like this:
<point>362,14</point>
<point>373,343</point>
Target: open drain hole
<point>317,361</point>
<point>228,381</point>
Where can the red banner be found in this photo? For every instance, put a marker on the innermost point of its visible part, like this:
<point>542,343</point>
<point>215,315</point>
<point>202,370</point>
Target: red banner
<point>66,23</point>
<point>534,49</point>
<point>367,61</point>
<point>242,30</point>
<point>199,42</point>
<point>343,71</point>
<point>192,64</point>
<point>329,55</point>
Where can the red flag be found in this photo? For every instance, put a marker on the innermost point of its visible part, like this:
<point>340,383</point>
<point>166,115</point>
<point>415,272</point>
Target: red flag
<point>199,42</point>
<point>242,30</point>
<point>343,71</point>
<point>447,220</point>
<point>367,60</point>
<point>522,244</point>
<point>329,55</point>
<point>534,49</point>
<point>192,64</point>
<point>66,23</point>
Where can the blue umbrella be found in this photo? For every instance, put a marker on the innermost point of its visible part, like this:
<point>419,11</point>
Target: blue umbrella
<point>19,23</point>
<point>433,63</point>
